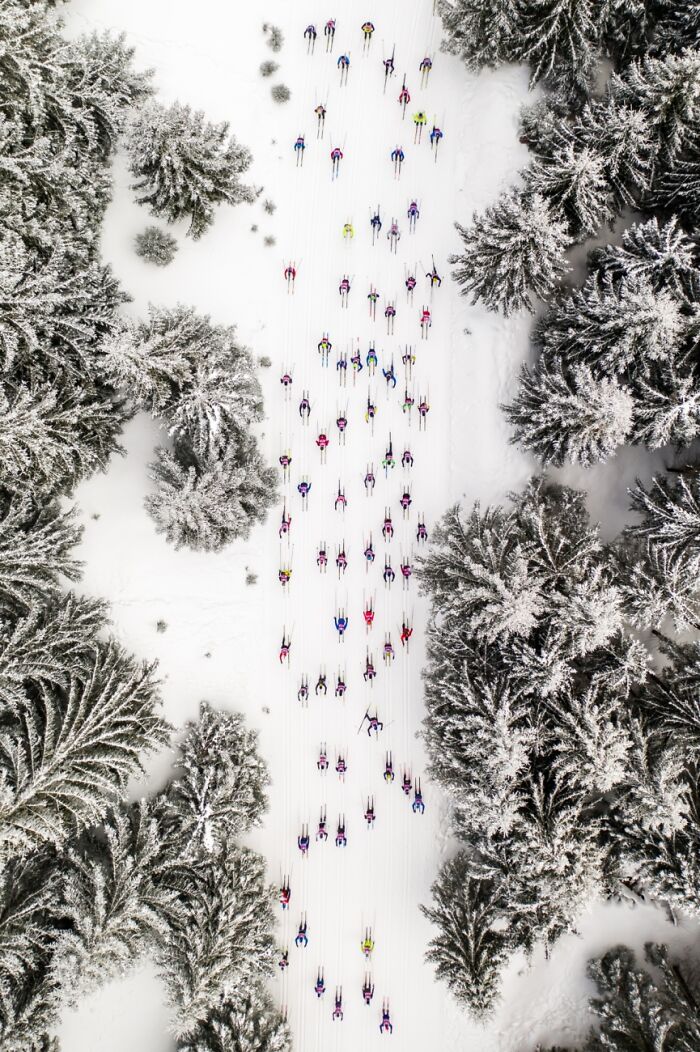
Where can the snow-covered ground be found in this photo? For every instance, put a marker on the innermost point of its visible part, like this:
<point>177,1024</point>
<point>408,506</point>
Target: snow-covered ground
<point>223,636</point>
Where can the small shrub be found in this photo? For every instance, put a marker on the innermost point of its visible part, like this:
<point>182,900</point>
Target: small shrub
<point>269,206</point>
<point>268,67</point>
<point>275,38</point>
<point>254,228</point>
<point>269,240</point>
<point>161,625</point>
<point>264,361</point>
<point>281,93</point>
<point>156,246</point>
<point>251,578</point>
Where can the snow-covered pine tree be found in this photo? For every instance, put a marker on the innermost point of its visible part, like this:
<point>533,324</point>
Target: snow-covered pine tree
<point>184,165</point>
<point>670,511</point>
<point>219,790</point>
<point>35,552</point>
<point>622,138</point>
<point>156,246</point>
<point>678,25</point>
<point>660,253</point>
<point>589,740</point>
<point>250,1023</point>
<point>113,906</point>
<point>481,32</point>
<point>575,184</point>
<point>561,414</point>
<point>223,942</point>
<point>206,501</point>
<point>654,587</point>
<point>677,187</point>
<point>560,39</point>
<point>511,253</point>
<point>667,406</point>
<point>471,947</point>
<point>67,752</point>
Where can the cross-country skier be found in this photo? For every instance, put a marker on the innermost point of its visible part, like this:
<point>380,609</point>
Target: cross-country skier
<point>367,30</point>
<point>303,692</point>
<point>387,526</point>
<point>369,481</point>
<point>322,832</point>
<point>341,367</point>
<point>407,459</point>
<point>348,231</point>
<point>336,158</point>
<point>388,769</point>
<point>285,647</point>
<point>341,500</point>
<point>418,807</point>
<point>329,33</point>
<point>322,557</point>
<point>389,574</point>
<point>322,442</point>
<point>423,410</point>
<point>390,375</point>
<point>310,35</point>
<point>368,614</point>
<point>404,97</point>
<point>370,672</point>
<point>406,783</point>
<point>341,422</point>
<point>424,69</point>
<point>373,724</point>
<point>406,633</point>
<point>408,359</point>
<point>419,120</point>
<point>421,531</point>
<point>290,276</point>
<point>343,65</point>
<point>372,297</point>
<point>286,380</point>
<point>285,894</point>
<point>324,348</point>
<point>388,458</point>
<point>356,362</point>
<point>344,291</point>
<point>304,488</point>
<point>376,224</point>
<point>369,812</point>
<point>408,401</point>
<point>303,840</point>
<point>284,960</point>
<point>341,624</point>
<point>299,147</point>
<point>341,560</point>
<point>394,236</point>
<point>367,990</point>
<point>410,284</point>
<point>320,112</point>
<point>425,323</point>
<point>284,575</point>
<point>390,315</point>
<point>388,651</point>
<point>321,685</point>
<point>285,461</point>
<point>341,766</point>
<point>406,571</point>
<point>302,938</point>
<point>322,762</point>
<point>285,525</point>
<point>304,407</point>
<point>367,944</point>
<point>388,64</point>
<point>386,1026</point>
<point>398,157</point>
<point>369,552</point>
<point>338,1004</point>
<point>340,686</point>
<point>372,360</point>
<point>405,502</point>
<point>370,412</point>
<point>435,136</point>
<point>341,839</point>
<point>320,986</point>
<point>433,277</point>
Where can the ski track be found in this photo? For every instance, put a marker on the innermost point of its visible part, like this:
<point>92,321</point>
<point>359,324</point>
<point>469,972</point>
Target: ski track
<point>223,638</point>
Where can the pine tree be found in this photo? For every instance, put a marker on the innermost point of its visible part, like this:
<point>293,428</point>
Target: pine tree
<point>660,253</point>
<point>590,742</point>
<point>156,246</point>
<point>481,32</point>
<point>670,510</point>
<point>67,752</point>
<point>220,790</point>
<point>562,414</point>
<point>559,40</point>
<point>623,140</point>
<point>207,501</point>
<point>514,250</point>
<point>678,25</point>
<point>115,906</point>
<point>667,406</point>
<point>35,551</point>
<point>575,184</point>
<point>224,941</point>
<point>470,949</point>
<point>250,1023</point>
<point>677,187</point>
<point>184,165</point>
<point>654,587</point>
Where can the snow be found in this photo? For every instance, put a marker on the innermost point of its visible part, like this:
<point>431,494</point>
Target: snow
<point>222,637</point>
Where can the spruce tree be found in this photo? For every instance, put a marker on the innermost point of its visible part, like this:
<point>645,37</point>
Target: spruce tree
<point>511,253</point>
<point>36,545</point>
<point>660,253</point>
<point>481,32</point>
<point>574,183</point>
<point>249,1024</point>
<point>559,41</point>
<point>670,510</point>
<point>184,165</point>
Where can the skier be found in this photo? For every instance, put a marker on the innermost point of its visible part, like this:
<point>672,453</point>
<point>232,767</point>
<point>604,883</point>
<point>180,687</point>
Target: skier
<point>404,97</point>
<point>398,157</point>
<point>348,231</point>
<point>321,685</point>
<point>341,560</point>
<point>368,615</point>
<point>329,33</point>
<point>341,839</point>
<point>324,348</point>
<point>322,442</point>
<point>343,65</point>
<point>290,275</point>
<point>388,651</point>
<point>320,986</point>
<point>386,1026</point>
<point>433,277</point>
<point>344,291</point>
<point>405,502</point>
<point>372,360</point>
<point>285,461</point>
<point>304,488</point>
<point>390,376</point>
<point>372,296</point>
<point>286,380</point>
<point>376,224</point>
<point>367,990</point>
<point>421,531</point>
<point>407,458</point>
<point>304,407</point>
<point>423,410</point>
<point>322,557</point>
<point>299,147</point>
<point>341,766</point>
<point>408,401</point>
<point>369,481</point>
<point>356,362</point>
<point>408,358</point>
<point>424,69</point>
<point>406,783</point>
<point>390,314</point>
<point>369,812</point>
<point>435,136</point>
<point>425,323</point>
<point>310,35</point>
<point>388,64</point>
<point>338,1008</point>
<point>302,938</point>
<point>285,894</point>
<point>373,724</point>
<point>341,367</point>
<point>410,284</point>
<point>387,526</point>
<point>367,30</point>
<point>284,575</point>
<point>341,624</point>
<point>388,458</point>
<point>341,422</point>
<point>285,647</point>
<point>369,552</point>
<point>370,412</point>
<point>394,236</point>
<point>419,121</point>
<point>303,692</point>
<point>418,807</point>
<point>322,762</point>
<point>284,960</point>
<point>341,499</point>
<point>322,832</point>
<point>370,672</point>
<point>285,525</point>
<point>389,574</point>
<point>340,686</point>
<point>336,158</point>
<point>406,571</point>
<point>320,112</point>
<point>388,769</point>
<point>303,840</point>
<point>406,633</point>
<point>413,215</point>
<point>367,944</point>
